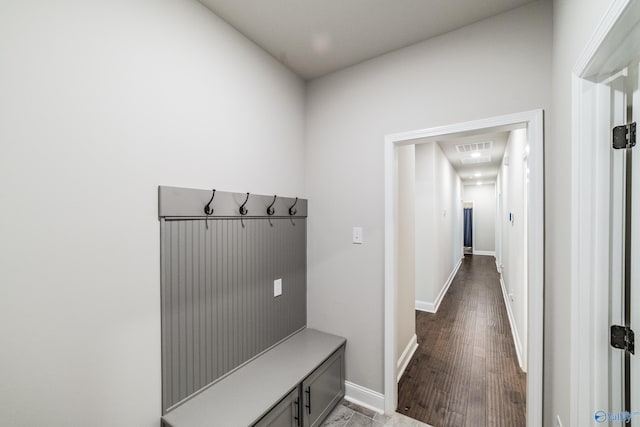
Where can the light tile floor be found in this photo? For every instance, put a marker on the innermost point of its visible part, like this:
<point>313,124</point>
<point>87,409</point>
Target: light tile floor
<point>347,414</point>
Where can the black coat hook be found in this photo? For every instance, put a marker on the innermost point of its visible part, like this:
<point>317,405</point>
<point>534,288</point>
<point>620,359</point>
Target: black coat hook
<point>270,209</point>
<point>208,210</point>
<point>243,210</point>
<point>292,210</point>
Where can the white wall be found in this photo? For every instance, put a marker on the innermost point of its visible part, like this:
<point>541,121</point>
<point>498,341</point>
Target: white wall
<point>437,218</point>
<point>498,224</point>
<point>467,74</point>
<point>511,181</point>
<point>484,215</point>
<point>447,217</point>
<point>101,102</point>
<point>405,248</point>
<point>574,22</point>
<point>425,218</point>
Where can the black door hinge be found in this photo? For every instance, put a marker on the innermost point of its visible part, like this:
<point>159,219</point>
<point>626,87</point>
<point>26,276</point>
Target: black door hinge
<point>624,136</point>
<point>622,337</point>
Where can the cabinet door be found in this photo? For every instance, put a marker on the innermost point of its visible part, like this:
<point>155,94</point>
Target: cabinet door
<point>285,414</point>
<point>323,389</point>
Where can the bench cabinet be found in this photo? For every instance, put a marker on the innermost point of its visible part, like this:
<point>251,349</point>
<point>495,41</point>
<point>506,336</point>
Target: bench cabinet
<point>311,401</point>
<point>294,384</point>
<point>285,414</point>
<point>323,389</point>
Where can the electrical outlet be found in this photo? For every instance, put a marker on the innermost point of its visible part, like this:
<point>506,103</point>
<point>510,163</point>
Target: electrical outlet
<point>277,287</point>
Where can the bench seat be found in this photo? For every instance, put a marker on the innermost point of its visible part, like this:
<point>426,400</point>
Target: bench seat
<point>244,396</point>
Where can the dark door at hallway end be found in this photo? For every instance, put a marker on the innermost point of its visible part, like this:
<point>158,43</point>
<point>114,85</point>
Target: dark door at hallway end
<point>468,229</point>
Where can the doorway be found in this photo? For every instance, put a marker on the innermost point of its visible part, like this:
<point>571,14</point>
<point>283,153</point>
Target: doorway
<point>533,121</point>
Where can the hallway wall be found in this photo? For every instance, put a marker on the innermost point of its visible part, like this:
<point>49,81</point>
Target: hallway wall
<point>101,102</point>
<point>484,216</point>
<point>438,223</point>
<point>405,247</point>
<point>460,76</point>
<point>511,186</point>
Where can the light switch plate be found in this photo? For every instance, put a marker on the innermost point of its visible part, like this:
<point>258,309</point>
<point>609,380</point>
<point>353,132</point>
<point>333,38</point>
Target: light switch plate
<point>277,287</point>
<point>357,236</point>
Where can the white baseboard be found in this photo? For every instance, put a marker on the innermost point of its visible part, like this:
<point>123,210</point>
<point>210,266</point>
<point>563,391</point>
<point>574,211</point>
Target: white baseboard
<point>487,253</point>
<point>498,266</point>
<point>364,397</point>
<point>429,307</point>
<point>514,331</point>
<point>432,307</point>
<point>406,356</point>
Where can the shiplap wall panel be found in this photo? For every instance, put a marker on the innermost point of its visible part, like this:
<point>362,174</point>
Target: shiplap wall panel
<point>218,308</point>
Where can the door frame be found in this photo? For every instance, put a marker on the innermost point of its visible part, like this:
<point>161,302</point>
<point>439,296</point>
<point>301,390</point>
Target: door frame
<point>590,212</point>
<point>534,121</point>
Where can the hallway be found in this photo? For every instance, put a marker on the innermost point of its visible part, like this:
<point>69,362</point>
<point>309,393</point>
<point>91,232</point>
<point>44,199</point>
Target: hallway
<point>465,371</point>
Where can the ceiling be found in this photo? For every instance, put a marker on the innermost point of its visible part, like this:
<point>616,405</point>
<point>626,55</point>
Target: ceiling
<point>317,37</point>
<point>479,172</point>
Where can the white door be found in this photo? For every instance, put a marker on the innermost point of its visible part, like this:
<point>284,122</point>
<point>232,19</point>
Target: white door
<point>623,97</point>
<point>634,298</point>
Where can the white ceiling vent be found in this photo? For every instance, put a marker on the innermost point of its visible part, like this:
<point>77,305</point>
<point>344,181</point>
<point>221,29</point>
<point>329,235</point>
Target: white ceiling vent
<point>475,160</point>
<point>474,146</point>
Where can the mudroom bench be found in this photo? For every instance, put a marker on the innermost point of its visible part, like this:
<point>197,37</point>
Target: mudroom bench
<point>297,383</point>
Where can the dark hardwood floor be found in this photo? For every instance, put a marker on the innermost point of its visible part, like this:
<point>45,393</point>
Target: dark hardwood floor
<point>465,371</point>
